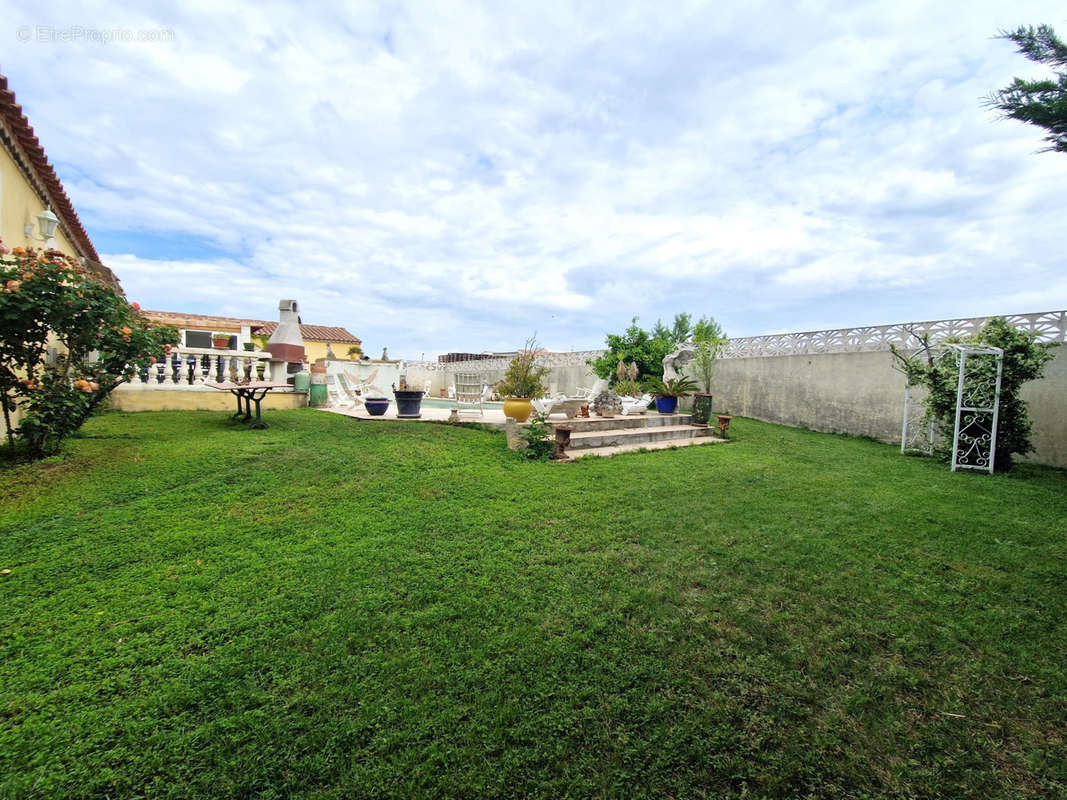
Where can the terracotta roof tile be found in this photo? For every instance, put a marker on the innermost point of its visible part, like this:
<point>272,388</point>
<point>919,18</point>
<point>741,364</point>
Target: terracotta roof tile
<point>311,333</point>
<point>183,320</point>
<point>315,333</point>
<point>22,130</point>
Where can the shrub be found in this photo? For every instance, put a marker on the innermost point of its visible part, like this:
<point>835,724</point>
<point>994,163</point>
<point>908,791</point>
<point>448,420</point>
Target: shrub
<point>1024,360</point>
<point>524,377</point>
<point>49,298</point>
<point>682,386</point>
<point>538,437</point>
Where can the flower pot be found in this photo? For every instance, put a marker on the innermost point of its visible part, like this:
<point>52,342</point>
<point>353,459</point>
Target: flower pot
<point>408,403</point>
<point>376,406</point>
<point>518,408</point>
<point>723,425</point>
<point>701,409</point>
<point>666,405</point>
<point>220,342</point>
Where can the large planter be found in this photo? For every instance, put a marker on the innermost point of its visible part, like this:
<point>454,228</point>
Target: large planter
<point>220,342</point>
<point>701,409</point>
<point>518,408</point>
<point>666,405</point>
<point>408,403</point>
<point>376,406</point>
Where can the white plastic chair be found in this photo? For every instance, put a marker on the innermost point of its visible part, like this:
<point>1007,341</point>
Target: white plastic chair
<point>588,394</point>
<point>470,390</point>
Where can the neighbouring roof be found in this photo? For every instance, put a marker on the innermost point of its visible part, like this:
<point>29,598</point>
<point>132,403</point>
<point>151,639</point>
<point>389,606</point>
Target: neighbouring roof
<point>315,333</point>
<point>310,333</point>
<point>182,320</point>
<point>39,171</point>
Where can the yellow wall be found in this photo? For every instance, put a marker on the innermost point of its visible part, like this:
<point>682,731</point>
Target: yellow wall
<point>316,350</point>
<point>132,398</point>
<point>19,206</point>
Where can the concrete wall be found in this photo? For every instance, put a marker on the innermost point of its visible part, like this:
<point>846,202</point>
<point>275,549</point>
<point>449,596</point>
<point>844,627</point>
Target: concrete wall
<point>567,371</point>
<point>132,398</point>
<point>861,394</point>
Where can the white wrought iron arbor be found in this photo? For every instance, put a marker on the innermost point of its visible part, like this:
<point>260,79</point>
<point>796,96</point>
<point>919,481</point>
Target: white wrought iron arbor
<point>974,436</point>
<point>974,433</point>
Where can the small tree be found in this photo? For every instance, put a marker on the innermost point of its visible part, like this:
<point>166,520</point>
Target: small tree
<point>708,342</point>
<point>1024,360</point>
<point>646,349</point>
<point>100,339</point>
<point>524,376</point>
<point>1038,102</point>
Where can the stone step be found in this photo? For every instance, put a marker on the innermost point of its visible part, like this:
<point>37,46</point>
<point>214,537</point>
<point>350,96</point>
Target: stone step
<point>619,437</point>
<point>667,444</point>
<point>651,420</point>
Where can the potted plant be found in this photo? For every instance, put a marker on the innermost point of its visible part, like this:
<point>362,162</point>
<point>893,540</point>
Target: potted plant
<point>376,406</point>
<point>408,400</point>
<point>220,341</point>
<point>668,391</point>
<point>708,343</point>
<point>522,382</point>
<point>723,425</point>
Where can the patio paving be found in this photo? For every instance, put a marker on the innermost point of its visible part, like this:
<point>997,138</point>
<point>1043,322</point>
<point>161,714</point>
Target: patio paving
<point>493,417</point>
<point>592,437</point>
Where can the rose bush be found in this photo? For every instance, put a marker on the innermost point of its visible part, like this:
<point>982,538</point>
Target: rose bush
<point>49,299</point>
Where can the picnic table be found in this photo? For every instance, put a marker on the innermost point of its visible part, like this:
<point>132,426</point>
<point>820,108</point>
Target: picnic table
<point>252,392</point>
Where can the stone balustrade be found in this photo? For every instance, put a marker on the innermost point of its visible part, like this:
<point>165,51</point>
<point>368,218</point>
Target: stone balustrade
<point>191,367</point>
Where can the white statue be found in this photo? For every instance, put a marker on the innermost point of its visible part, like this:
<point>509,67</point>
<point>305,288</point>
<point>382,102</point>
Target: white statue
<point>674,364</point>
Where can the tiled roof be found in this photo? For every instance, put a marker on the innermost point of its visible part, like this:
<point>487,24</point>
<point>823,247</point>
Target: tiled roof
<point>15,122</point>
<point>314,333</point>
<point>310,333</point>
<point>182,320</point>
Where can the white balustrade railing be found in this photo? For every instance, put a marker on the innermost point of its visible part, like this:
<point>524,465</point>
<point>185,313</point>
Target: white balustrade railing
<point>186,367</point>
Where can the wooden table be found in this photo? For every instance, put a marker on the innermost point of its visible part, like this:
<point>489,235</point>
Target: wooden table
<point>253,392</point>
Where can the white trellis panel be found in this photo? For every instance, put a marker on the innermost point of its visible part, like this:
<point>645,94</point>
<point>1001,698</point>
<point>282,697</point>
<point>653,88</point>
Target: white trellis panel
<point>974,436</point>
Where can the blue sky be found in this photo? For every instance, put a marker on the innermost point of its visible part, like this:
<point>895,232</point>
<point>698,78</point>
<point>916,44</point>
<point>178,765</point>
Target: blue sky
<point>455,176</point>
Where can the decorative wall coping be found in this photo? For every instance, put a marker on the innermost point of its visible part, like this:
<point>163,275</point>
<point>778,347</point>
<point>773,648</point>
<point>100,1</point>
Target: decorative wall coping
<point>573,359</point>
<point>1050,326</point>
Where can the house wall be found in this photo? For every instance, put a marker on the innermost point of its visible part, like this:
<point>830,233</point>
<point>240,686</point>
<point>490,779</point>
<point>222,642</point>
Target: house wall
<point>19,206</point>
<point>135,398</point>
<point>317,350</point>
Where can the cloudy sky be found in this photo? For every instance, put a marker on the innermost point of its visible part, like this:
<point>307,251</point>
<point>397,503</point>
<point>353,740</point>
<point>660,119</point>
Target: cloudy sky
<point>455,176</point>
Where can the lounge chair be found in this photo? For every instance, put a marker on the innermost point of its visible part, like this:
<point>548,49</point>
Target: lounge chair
<point>588,394</point>
<point>550,405</point>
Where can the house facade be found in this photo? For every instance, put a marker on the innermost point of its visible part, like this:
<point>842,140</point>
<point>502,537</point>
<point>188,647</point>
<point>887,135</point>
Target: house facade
<point>30,188</point>
<point>197,330</point>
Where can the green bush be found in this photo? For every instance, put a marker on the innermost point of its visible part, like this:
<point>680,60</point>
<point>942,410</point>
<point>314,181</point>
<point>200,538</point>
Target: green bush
<point>49,299</point>
<point>1024,360</point>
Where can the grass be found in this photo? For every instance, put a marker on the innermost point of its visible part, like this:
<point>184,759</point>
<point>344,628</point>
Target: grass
<point>338,609</point>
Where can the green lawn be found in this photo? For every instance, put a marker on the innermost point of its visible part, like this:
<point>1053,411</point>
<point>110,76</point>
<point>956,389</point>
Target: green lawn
<point>339,609</point>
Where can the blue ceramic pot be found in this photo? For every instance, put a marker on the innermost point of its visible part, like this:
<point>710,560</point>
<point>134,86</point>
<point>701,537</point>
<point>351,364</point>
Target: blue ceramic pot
<point>376,406</point>
<point>666,405</point>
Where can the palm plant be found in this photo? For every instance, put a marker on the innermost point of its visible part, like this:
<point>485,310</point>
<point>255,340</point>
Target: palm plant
<point>682,386</point>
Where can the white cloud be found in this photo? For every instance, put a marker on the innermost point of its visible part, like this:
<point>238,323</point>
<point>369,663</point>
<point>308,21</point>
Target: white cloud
<point>439,176</point>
